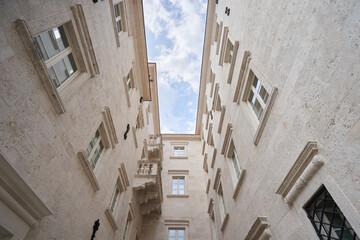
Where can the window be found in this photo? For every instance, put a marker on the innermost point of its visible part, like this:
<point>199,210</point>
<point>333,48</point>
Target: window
<point>178,185</point>
<point>217,29</point>
<point>129,84</point>
<point>118,12</point>
<point>114,199</point>
<point>222,203</point>
<point>176,234</point>
<point>127,226</point>
<point>179,151</point>
<point>55,49</point>
<point>327,219</point>
<point>94,150</point>
<point>235,163</point>
<point>258,97</point>
<point>229,52</point>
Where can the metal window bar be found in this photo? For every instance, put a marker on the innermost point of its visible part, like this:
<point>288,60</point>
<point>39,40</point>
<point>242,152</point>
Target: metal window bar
<point>322,211</point>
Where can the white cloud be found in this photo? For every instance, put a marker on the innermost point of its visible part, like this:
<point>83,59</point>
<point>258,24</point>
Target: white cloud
<point>178,25</point>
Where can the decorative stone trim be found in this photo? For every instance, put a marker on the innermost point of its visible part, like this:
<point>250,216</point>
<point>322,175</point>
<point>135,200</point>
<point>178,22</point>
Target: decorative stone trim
<point>305,177</point>
<point>207,121</point>
<point>93,180</point>
<point>227,138</point>
<point>211,206</point>
<point>219,38</point>
<point>240,83</point>
<point>223,109</point>
<point>141,117</point>
<point>212,86</point>
<point>81,24</point>
<point>177,196</point>
<point>223,46</point>
<point>203,148</point>
<point>126,92</point>
<point>301,163</point>
<point>265,116</point>
<point>238,184</point>
<point>208,186</point>
<point>39,65</point>
<point>231,70</point>
<point>216,93</point>
<point>208,140</point>
<point>259,229</point>
<point>205,165</point>
<point>109,123</point>
<point>134,135</point>
<point>177,222</point>
<point>213,158</point>
<point>111,219</point>
<point>224,222</point>
<point>178,172</point>
<point>123,176</point>
<point>18,196</point>
<point>217,179</point>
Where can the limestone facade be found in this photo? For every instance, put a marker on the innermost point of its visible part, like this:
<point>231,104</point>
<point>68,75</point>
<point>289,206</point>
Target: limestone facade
<point>79,133</point>
<point>296,132</point>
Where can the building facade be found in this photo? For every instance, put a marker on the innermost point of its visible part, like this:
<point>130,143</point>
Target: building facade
<point>276,150</point>
<point>279,119</point>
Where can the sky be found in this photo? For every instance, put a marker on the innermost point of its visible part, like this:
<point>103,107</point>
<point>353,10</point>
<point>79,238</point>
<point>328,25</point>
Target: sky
<point>174,38</point>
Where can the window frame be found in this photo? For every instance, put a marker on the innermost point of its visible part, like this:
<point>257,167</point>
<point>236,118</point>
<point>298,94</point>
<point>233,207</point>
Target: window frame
<point>229,52</point>
<point>176,232</point>
<point>121,7</point>
<point>178,189</point>
<point>176,224</point>
<point>111,210</point>
<point>175,145</point>
<point>129,85</point>
<point>179,174</point>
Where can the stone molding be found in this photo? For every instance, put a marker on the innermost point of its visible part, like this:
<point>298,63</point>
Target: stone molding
<point>127,94</point>
<point>212,86</point>
<point>304,178</point>
<point>81,24</point>
<point>39,65</point>
<point>203,148</point>
<point>222,116</point>
<point>209,137</point>
<point>227,138</point>
<point>208,186</point>
<point>17,195</point>
<point>259,229</point>
<point>223,46</point>
<point>90,174</point>
<point>213,158</point>
<point>211,206</point>
<point>241,79</point>
<point>224,222</point>
<point>123,176</point>
<point>219,37</point>
<point>176,222</point>
<point>133,129</point>
<point>301,163</point>
<point>177,196</point>
<point>205,164</point>
<point>265,116</point>
<point>238,183</point>
<point>178,172</point>
<point>109,123</point>
<point>232,65</point>
<point>217,179</point>
<point>216,93</point>
<point>111,219</point>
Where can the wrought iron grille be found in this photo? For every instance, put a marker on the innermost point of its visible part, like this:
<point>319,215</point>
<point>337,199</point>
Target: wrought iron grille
<point>327,219</point>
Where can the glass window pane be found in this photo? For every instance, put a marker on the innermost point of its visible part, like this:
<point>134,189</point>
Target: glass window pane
<point>255,82</point>
<point>172,233</point>
<point>53,77</point>
<point>119,25</point>
<point>263,94</point>
<point>116,10</point>
<point>180,233</point>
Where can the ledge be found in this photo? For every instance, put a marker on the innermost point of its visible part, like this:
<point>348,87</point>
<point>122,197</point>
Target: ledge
<point>179,157</point>
<point>259,229</point>
<point>240,84</point>
<point>177,196</point>
<point>213,158</point>
<point>111,219</point>
<point>208,186</point>
<point>90,174</point>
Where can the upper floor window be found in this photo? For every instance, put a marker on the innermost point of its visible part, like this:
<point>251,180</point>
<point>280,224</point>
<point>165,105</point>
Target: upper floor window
<point>127,226</point>
<point>235,163</point>
<point>178,185</point>
<point>114,199</point>
<point>176,234</point>
<point>327,218</point>
<point>129,83</point>
<point>94,150</point>
<point>118,11</point>
<point>222,202</point>
<point>55,48</point>
<point>258,97</point>
<point>179,151</point>
<point>229,52</point>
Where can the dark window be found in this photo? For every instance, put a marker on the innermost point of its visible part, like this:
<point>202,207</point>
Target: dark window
<point>327,219</point>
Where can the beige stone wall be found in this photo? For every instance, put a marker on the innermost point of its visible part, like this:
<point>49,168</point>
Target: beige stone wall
<point>189,208</point>
<point>42,145</point>
<point>309,51</point>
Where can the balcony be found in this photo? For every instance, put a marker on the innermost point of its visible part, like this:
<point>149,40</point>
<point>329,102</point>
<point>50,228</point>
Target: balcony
<point>147,182</point>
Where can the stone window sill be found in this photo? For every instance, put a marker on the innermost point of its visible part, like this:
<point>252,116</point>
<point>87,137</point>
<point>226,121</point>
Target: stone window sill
<point>238,184</point>
<point>111,219</point>
<point>178,157</point>
<point>178,196</point>
<point>94,182</point>
<point>224,222</point>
